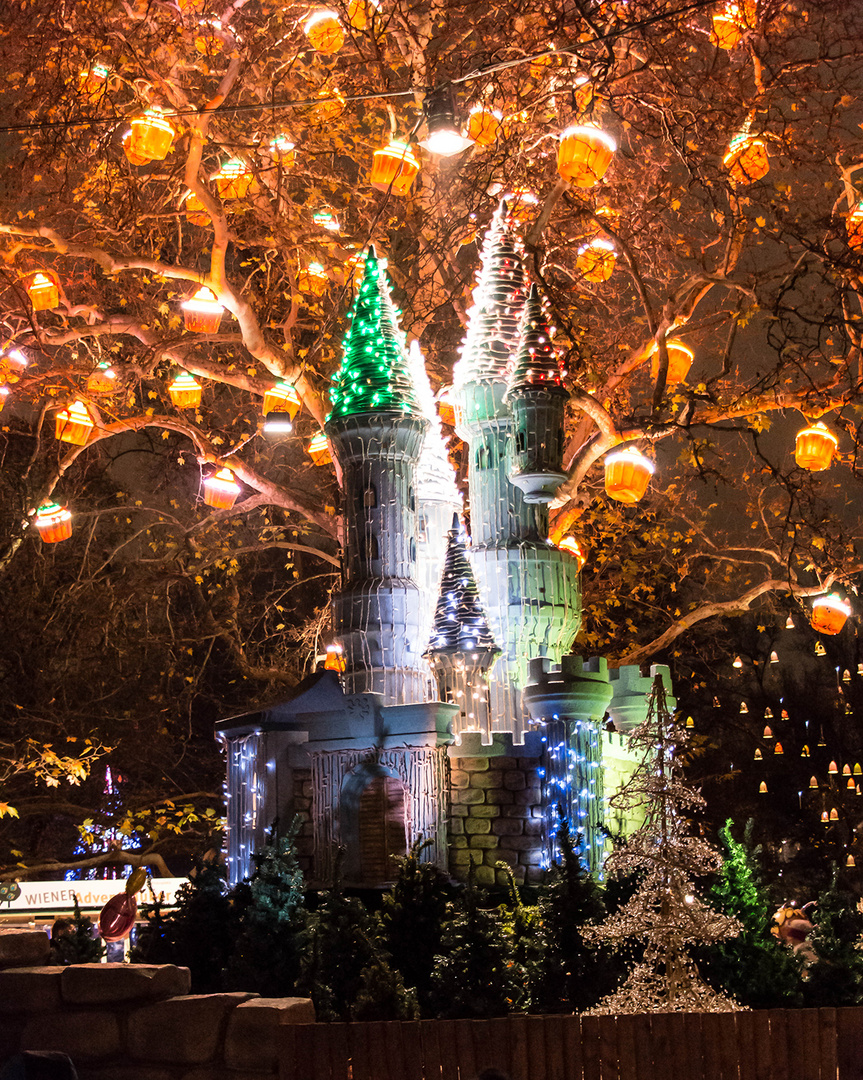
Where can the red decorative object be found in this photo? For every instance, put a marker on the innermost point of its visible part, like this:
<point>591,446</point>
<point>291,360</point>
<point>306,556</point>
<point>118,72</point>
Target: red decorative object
<point>221,490</point>
<point>319,450</point>
<point>43,288</point>
<point>584,154</point>
<point>680,359</point>
<point>152,136</point>
<point>185,391</point>
<point>74,424</point>
<point>814,447</point>
<point>829,614</point>
<point>203,313</point>
<point>394,168</point>
<point>117,917</point>
<point>281,398</point>
<point>746,159</point>
<point>627,474</point>
<point>325,32</point>
<point>54,523</point>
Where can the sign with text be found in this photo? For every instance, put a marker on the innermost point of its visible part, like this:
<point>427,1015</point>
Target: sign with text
<point>39,896</point>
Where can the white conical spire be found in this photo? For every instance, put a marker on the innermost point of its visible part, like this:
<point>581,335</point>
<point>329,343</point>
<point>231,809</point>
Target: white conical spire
<point>435,476</point>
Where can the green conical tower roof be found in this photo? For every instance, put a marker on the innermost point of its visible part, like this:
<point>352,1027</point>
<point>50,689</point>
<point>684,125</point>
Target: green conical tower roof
<point>374,375</point>
<point>536,363</point>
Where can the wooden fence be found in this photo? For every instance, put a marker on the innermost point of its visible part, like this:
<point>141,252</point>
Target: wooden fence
<point>798,1044</point>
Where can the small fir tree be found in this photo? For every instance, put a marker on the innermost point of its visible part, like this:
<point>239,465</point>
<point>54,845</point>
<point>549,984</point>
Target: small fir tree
<point>755,968</point>
<point>522,924</point>
<point>836,978</point>
<point>78,943</point>
<point>382,994</point>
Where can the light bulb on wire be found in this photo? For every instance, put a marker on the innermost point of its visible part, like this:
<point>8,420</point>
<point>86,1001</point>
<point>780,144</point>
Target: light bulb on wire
<point>444,137</point>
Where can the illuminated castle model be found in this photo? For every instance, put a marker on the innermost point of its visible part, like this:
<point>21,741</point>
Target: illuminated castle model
<point>459,715</point>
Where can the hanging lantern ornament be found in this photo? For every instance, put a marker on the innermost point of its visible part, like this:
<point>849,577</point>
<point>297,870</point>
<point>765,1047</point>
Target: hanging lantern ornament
<point>443,137</point>
<point>394,168</point>
<point>829,613</point>
<point>746,159</point>
<point>483,124</point>
<point>680,359</point>
<point>74,424</point>
<point>131,156</point>
<point>221,490</point>
<point>53,522</point>
<point>813,783</point>
<point>93,81</point>
<point>825,817</point>
<point>195,211</point>
<point>727,27</point>
<point>834,814</point>
<point>203,313</point>
<point>584,154</point>
<point>281,398</point>
<point>233,179</point>
<point>832,768</point>
<point>627,474</point>
<point>283,151</point>
<point>335,660</point>
<point>768,733</point>
<point>313,279</point>
<point>570,544</point>
<point>43,288</point>
<point>849,862</point>
<point>319,450</point>
<point>102,379</point>
<point>814,447</point>
<point>326,219</point>
<point>805,753</point>
<point>185,391</point>
<point>850,785</point>
<point>596,260</point>
<point>277,424</point>
<point>757,756</point>
<point>362,12</point>
<point>583,92</point>
<point>152,136</point>
<point>777,749</point>
<point>324,31</point>
<point>854,228</point>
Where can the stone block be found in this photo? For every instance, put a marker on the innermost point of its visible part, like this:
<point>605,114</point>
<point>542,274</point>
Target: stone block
<point>467,797</point>
<point>214,1072</point>
<point>183,1031</point>
<point>507,827</point>
<point>459,780</point>
<point>101,984</point>
<point>533,827</point>
<point>531,796</point>
<point>496,856</point>
<point>484,875</point>
<point>125,1072</point>
<point>465,857</point>
<point>522,843</point>
<point>477,825</point>
<point>27,990</point>
<point>10,1036</point>
<point>486,780</point>
<point>83,1035</point>
<point>503,763</point>
<point>515,781</point>
<point>457,841</point>
<point>456,827</point>
<point>473,764</point>
<point>484,811</point>
<point>499,797</point>
<point>307,789</point>
<point>482,843</point>
<point>515,811</point>
<point>23,948</point>
<point>528,764</point>
<point>251,1041</point>
<point>459,811</point>
<point>531,858</point>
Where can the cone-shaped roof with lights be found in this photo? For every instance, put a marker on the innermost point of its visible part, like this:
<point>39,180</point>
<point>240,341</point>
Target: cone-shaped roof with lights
<point>434,476</point>
<point>495,319</point>
<point>459,624</point>
<point>536,364</point>
<point>374,375</point>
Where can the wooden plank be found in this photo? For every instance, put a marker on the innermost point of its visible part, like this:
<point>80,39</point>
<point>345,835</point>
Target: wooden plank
<point>827,1043</point>
<point>627,1062</point>
<point>337,1050</point>
<point>680,1064</point>
<point>710,1058</point>
<point>590,1037</point>
<point>361,1067</point>
<point>287,1051</point>
<point>491,1044</point>
<point>572,1061</point>
<point>412,1050</point>
<point>849,1040</point>
<point>518,1064</point>
<point>535,1030</point>
<point>554,1058</point>
<point>660,1043</point>
<point>608,1065</point>
<point>762,1045</point>
<point>692,1043</point>
<point>430,1049</point>
<point>467,1066</point>
<point>779,1068</point>
<point>808,1045</point>
<point>746,1045</point>
<point>394,1051</point>
<point>376,1040</point>
<point>307,1066</point>
<point>729,1055</point>
<point>448,1050</point>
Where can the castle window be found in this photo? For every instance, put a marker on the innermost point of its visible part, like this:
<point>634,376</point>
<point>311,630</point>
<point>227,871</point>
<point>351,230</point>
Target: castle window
<point>422,528</point>
<point>413,550</point>
<point>412,502</point>
<point>521,442</point>
<point>370,496</point>
<point>481,457</point>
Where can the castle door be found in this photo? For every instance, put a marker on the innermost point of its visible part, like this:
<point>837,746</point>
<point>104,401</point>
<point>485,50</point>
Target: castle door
<point>382,830</point>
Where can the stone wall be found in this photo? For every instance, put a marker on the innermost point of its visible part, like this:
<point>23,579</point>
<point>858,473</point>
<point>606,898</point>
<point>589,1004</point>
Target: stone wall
<point>302,809</point>
<point>495,816</point>
<point>139,1022</point>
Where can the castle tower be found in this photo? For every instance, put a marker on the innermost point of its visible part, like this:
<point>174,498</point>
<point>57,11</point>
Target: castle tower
<point>537,398</point>
<point>437,496</point>
<point>530,589</point>
<point>462,648</point>
<point>376,429</point>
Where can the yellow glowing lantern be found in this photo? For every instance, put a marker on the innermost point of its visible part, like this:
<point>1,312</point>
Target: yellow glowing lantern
<point>680,359</point>
<point>185,391</point>
<point>43,288</point>
<point>804,752</point>
<point>102,379</point>
<point>854,228</point>
<point>394,168</point>
<point>361,12</point>
<point>814,447</point>
<point>319,450</point>
<point>281,398</point>
<point>570,544</point>
<point>829,614</point>
<point>324,31</point>
<point>132,157</point>
<point>857,770</point>
<point>584,154</point>
<point>221,490</point>
<point>233,179</point>
<point>777,749</point>
<point>53,522</point>
<point>834,814</point>
<point>196,212</point>
<point>746,159</point>
<point>813,783</point>
<point>762,788</point>
<point>152,136</point>
<point>282,151</point>
<point>850,861</point>
<point>74,424</point>
<point>596,259</point>
<point>757,756</point>
<point>313,279</point>
<point>203,313</point>
<point>627,474</point>
<point>335,660</point>
<point>483,124</point>
<point>93,81</point>
<point>727,27</point>
<point>690,723</point>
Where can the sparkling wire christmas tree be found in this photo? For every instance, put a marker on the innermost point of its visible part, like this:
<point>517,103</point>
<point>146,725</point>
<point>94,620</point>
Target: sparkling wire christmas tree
<point>665,911</point>
<point>374,375</point>
<point>536,363</point>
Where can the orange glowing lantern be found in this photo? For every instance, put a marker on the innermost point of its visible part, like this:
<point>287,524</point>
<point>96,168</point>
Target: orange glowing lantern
<point>483,125</point>
<point>829,614</point>
<point>282,151</point>
<point>74,424</point>
<point>727,27</point>
<point>281,398</point>
<point>584,154</point>
<point>583,92</point>
<point>757,756</point>
<point>152,136</point>
<point>102,379</point>
<point>814,447</point>
<point>234,179</point>
<point>203,313</point>
<point>185,391</point>
<point>850,784</point>
<point>221,490</point>
<point>825,817</point>
<point>746,159</point>
<point>813,782</point>
<point>131,156</point>
<point>834,814</point>
<point>319,450</point>
<point>196,212</point>
<point>627,474</point>
<point>313,279</point>
<point>43,288</point>
<point>394,168</point>
<point>325,32</point>
<point>361,12</point>
<point>777,749</point>
<point>832,768</point>
<point>53,522</point>
<point>854,228</point>
<point>335,660</point>
<point>93,81</point>
<point>762,788</point>
<point>570,544</point>
<point>680,359</point>
<point>596,259</point>
<point>850,861</point>
<point>445,407</point>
